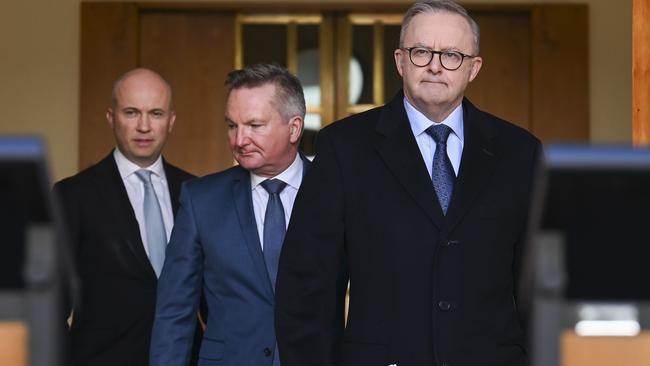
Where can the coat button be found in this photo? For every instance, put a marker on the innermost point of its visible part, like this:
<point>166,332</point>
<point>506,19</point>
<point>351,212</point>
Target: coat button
<point>267,352</point>
<point>444,305</point>
<point>449,243</point>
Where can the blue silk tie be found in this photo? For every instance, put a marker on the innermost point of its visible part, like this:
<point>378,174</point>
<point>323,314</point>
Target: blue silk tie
<point>442,172</point>
<point>274,229</point>
<point>153,222</point>
<point>274,226</point>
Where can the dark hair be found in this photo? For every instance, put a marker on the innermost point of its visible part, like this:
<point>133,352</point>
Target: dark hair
<point>436,6</point>
<point>289,97</point>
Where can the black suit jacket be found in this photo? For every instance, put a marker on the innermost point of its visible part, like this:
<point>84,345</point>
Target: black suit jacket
<point>113,320</point>
<point>425,288</point>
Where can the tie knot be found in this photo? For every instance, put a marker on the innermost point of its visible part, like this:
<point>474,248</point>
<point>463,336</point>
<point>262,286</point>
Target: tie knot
<point>144,175</point>
<point>273,186</point>
<point>440,133</point>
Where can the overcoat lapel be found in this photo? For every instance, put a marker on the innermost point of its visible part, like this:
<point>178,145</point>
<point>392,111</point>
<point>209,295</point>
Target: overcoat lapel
<point>397,147</point>
<point>477,163</point>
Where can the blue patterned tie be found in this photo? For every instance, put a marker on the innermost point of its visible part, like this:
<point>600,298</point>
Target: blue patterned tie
<point>274,226</point>
<point>153,222</point>
<point>442,172</point>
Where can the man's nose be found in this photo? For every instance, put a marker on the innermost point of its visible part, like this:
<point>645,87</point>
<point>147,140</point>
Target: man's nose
<point>144,124</point>
<point>241,137</point>
<point>435,66</point>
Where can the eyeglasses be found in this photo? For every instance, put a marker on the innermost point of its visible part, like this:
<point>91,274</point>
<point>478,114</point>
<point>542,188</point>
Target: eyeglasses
<point>450,60</point>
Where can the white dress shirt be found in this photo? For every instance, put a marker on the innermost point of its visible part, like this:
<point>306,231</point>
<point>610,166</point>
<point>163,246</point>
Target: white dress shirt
<point>135,190</point>
<point>419,123</point>
<point>292,176</point>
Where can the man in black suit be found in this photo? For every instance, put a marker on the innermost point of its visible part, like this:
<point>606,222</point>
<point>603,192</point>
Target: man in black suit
<point>422,205</point>
<point>119,214</point>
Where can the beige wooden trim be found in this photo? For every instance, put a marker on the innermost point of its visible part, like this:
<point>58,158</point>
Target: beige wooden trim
<point>327,71</point>
<point>371,19</point>
<point>292,47</point>
<point>358,108</point>
<point>281,18</point>
<point>640,72</point>
<point>344,45</point>
<point>378,64</point>
<point>239,46</point>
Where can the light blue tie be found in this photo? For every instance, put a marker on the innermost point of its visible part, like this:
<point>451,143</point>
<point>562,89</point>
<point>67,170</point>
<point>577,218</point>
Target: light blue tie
<point>442,172</point>
<point>153,222</point>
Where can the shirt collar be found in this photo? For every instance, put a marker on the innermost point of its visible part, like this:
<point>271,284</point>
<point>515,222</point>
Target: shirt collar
<point>126,167</point>
<point>292,175</point>
<point>419,122</point>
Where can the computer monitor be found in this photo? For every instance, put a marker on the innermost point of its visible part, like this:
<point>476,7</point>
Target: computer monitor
<point>24,201</point>
<point>598,199</point>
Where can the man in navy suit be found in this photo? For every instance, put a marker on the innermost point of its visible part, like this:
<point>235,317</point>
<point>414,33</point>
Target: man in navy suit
<point>422,204</point>
<point>230,227</point>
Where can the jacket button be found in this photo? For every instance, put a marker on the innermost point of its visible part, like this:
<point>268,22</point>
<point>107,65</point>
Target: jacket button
<point>451,242</point>
<point>444,305</point>
<point>267,352</point>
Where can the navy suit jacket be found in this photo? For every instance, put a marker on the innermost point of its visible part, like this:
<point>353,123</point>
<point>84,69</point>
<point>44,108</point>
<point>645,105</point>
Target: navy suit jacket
<point>215,248</point>
<point>425,288</point>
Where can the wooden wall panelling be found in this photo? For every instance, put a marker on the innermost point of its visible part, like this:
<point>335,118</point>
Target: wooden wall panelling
<point>109,39</point>
<point>502,86</point>
<point>560,72</point>
<point>641,72</point>
<point>194,51</point>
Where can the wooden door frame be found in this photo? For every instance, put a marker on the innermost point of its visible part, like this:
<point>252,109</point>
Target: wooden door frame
<point>110,46</point>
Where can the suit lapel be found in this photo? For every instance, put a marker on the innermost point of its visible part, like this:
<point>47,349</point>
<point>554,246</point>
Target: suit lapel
<point>174,182</point>
<point>242,196</point>
<point>121,211</point>
<point>397,147</point>
<point>477,163</point>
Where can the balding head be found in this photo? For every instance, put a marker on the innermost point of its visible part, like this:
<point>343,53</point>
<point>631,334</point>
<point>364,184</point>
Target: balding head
<point>140,76</point>
<point>141,115</point>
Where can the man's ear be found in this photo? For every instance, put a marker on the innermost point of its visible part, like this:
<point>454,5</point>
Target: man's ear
<point>172,119</point>
<point>295,129</point>
<point>477,62</point>
<point>398,60</point>
<point>109,117</point>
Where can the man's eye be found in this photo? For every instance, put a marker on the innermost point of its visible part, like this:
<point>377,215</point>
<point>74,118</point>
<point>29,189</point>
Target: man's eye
<point>454,56</point>
<point>130,113</point>
<point>420,52</point>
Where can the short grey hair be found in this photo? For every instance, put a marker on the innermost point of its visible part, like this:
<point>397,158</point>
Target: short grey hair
<point>437,6</point>
<point>289,96</point>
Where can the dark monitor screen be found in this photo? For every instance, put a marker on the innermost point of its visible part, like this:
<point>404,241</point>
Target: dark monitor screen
<point>24,200</point>
<point>599,199</point>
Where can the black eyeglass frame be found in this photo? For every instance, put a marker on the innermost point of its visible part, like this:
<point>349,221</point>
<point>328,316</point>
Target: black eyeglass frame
<point>439,53</point>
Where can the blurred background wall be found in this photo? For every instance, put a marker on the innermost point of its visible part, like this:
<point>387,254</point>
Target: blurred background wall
<point>39,71</point>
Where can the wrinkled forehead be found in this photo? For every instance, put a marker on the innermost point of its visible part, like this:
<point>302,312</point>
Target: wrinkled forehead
<point>440,30</point>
